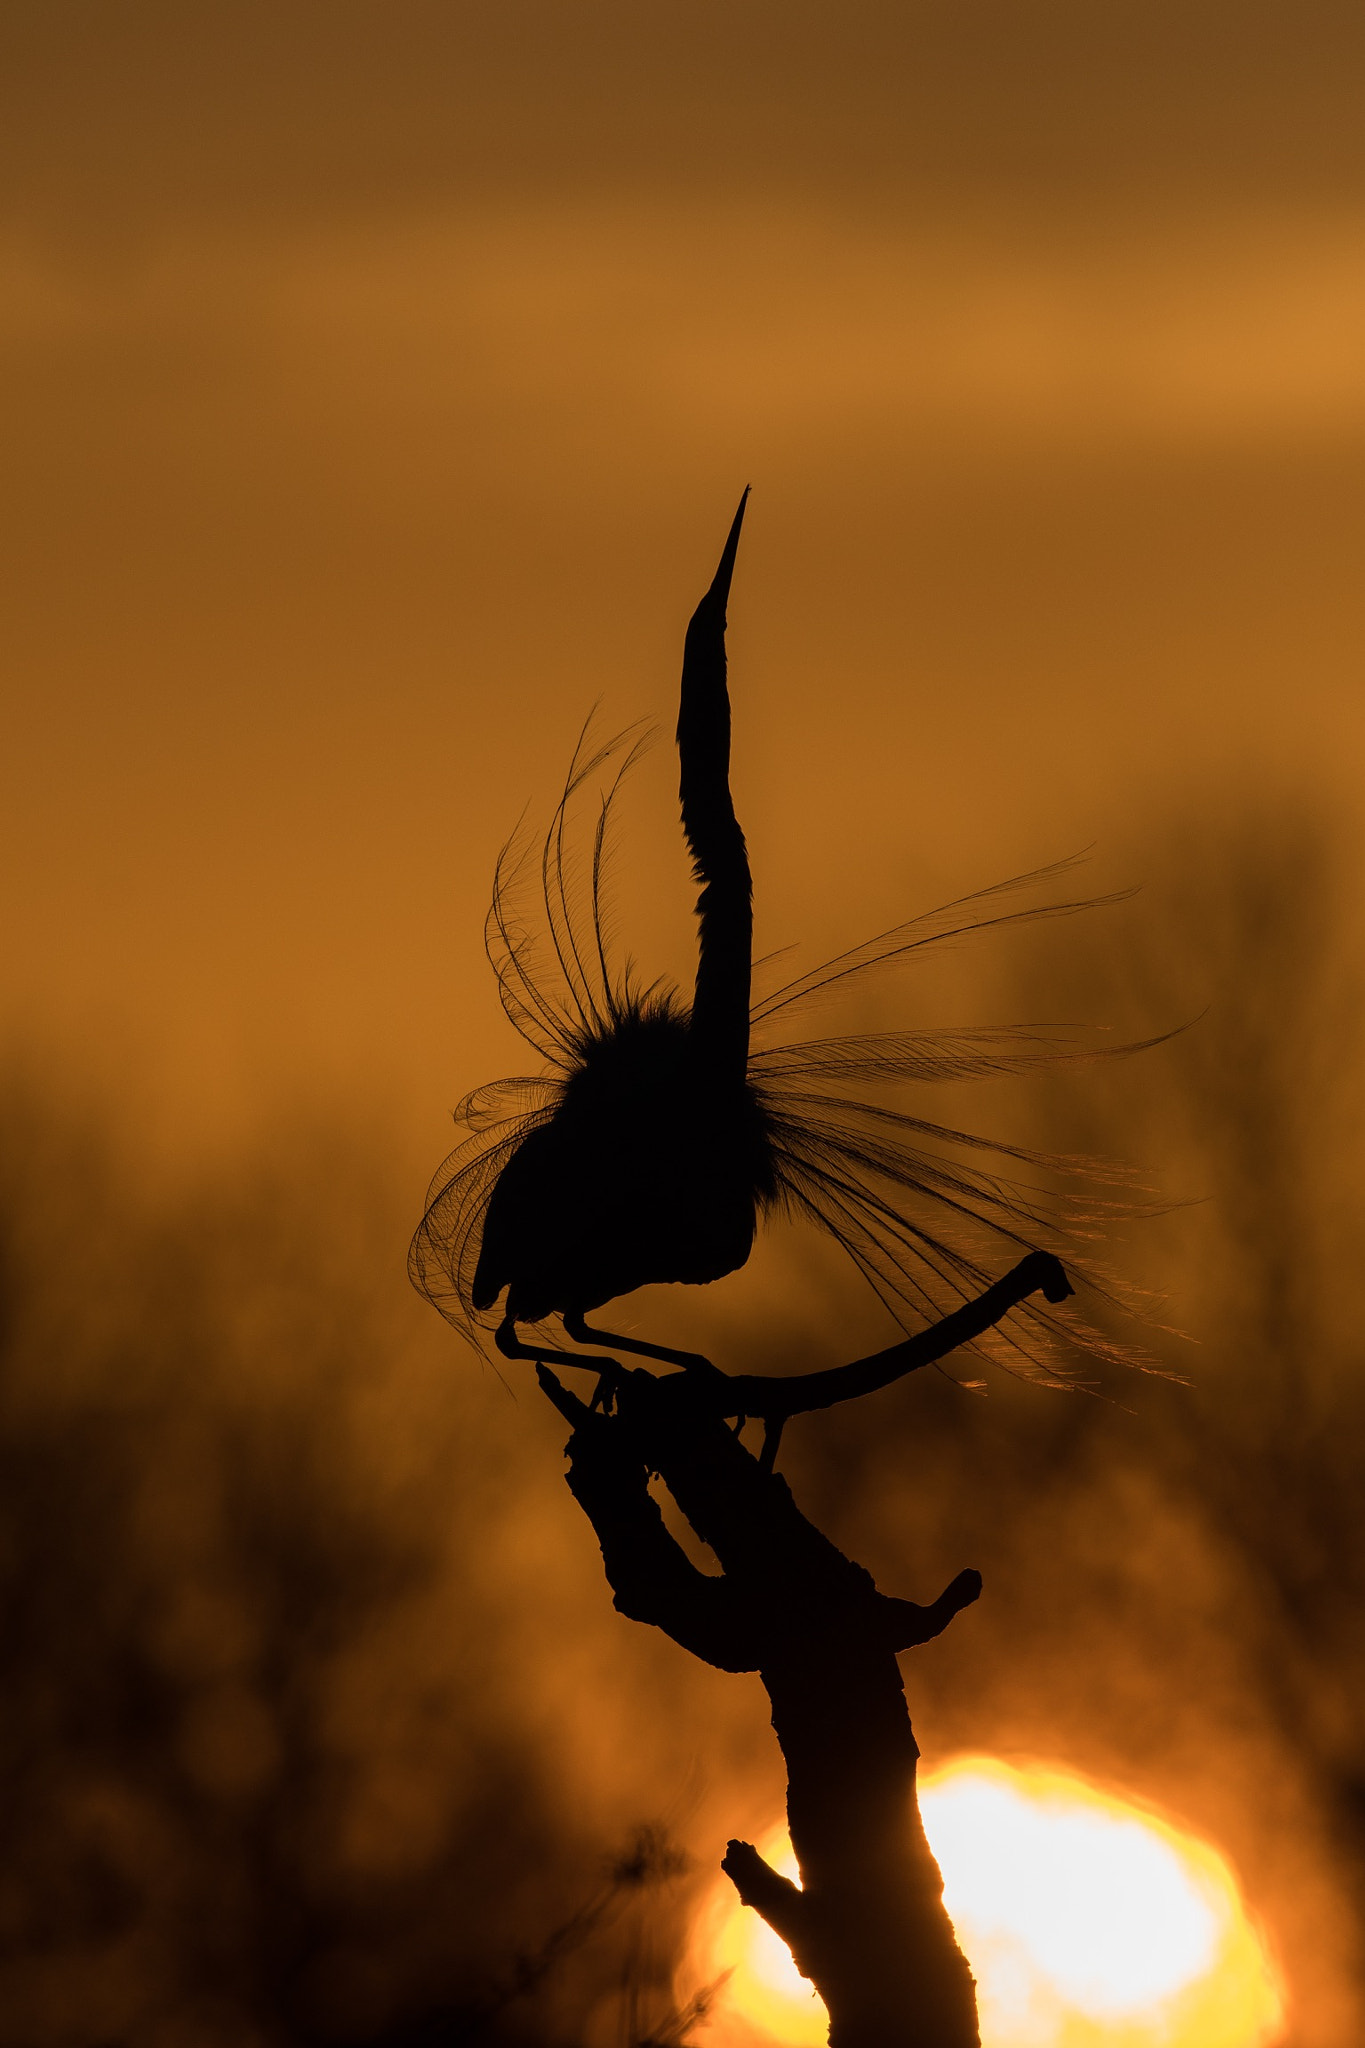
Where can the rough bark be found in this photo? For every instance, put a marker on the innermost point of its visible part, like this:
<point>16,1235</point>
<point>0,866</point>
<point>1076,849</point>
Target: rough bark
<point>867,1924</point>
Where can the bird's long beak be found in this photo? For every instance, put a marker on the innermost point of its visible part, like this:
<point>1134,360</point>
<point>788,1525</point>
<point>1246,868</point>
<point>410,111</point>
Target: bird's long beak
<point>719,593</point>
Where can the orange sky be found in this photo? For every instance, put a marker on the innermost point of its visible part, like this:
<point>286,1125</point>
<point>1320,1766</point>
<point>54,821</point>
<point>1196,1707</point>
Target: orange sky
<point>378,383</point>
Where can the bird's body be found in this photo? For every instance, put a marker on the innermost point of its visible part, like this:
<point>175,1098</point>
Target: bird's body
<point>645,1172</point>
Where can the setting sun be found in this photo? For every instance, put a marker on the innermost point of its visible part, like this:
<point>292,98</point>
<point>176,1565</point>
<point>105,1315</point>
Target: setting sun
<point>1089,1923</point>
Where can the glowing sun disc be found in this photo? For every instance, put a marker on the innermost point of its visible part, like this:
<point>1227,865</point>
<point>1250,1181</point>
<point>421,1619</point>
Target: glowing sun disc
<point>1089,1923</point>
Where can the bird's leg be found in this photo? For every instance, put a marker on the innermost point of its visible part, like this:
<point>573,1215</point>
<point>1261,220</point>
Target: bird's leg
<point>510,1345</point>
<point>584,1333</point>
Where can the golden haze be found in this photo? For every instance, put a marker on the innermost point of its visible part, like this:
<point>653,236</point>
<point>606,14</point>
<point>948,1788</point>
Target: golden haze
<point>377,384</point>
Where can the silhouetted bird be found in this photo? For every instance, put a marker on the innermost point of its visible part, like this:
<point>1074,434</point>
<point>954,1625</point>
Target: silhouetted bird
<point>660,1135</point>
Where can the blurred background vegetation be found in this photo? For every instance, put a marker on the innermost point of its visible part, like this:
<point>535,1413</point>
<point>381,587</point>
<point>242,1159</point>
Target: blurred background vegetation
<point>318,1724</point>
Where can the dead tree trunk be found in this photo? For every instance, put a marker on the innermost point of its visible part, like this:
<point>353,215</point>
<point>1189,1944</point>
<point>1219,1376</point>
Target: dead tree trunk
<point>867,1925</point>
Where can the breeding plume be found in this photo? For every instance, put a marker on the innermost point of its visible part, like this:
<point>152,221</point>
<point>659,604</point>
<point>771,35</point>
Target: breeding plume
<point>659,1132</point>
